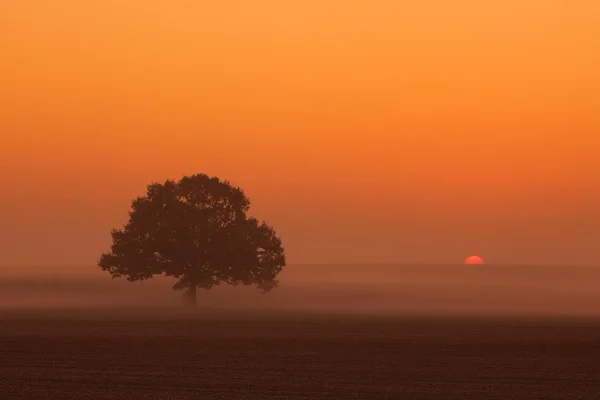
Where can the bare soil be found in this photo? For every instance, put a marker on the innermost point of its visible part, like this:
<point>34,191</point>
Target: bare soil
<point>202,354</point>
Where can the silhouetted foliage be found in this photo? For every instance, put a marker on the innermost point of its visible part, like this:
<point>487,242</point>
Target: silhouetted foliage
<point>195,230</point>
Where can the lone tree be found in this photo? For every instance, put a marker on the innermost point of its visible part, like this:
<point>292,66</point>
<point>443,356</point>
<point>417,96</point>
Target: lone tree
<point>197,231</point>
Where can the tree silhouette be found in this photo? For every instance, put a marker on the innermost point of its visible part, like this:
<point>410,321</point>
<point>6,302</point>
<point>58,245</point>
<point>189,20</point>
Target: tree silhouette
<point>197,231</point>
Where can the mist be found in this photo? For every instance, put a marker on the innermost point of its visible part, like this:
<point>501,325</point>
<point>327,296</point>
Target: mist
<point>370,289</point>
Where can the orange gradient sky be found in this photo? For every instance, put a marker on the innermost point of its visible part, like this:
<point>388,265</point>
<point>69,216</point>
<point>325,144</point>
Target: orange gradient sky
<point>365,131</point>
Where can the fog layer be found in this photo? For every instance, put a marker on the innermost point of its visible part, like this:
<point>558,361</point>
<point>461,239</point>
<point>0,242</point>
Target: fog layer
<point>460,289</point>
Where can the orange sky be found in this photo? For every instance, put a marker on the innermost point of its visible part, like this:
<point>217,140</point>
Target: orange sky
<point>364,131</point>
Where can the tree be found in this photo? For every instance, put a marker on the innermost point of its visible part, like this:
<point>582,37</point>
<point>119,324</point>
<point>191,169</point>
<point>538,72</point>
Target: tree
<point>197,231</point>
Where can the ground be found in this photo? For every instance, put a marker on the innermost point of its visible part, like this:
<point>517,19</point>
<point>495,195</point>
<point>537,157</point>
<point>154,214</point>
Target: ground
<point>214,355</point>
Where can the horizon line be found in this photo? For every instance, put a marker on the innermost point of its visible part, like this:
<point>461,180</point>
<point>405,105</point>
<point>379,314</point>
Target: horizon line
<point>388,263</point>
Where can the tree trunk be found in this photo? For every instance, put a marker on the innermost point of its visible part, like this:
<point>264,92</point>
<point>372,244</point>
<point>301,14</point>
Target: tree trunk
<point>190,296</point>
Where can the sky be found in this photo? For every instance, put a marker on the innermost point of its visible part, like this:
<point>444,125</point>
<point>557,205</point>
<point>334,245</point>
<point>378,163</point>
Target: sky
<point>379,131</point>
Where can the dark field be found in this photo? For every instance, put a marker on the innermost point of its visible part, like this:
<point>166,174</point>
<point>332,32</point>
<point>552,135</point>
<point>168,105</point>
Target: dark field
<point>203,354</point>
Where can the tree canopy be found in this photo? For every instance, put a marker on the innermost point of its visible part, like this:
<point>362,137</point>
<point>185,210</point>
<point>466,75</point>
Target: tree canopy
<point>197,231</point>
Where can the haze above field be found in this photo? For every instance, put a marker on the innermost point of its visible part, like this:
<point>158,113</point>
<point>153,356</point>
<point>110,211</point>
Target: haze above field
<point>372,289</point>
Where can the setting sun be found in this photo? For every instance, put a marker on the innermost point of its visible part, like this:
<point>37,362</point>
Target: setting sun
<point>474,260</point>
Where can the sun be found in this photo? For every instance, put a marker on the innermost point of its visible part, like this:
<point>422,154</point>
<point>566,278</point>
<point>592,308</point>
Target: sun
<point>474,260</point>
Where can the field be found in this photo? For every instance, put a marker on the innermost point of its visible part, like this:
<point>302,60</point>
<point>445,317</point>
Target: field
<point>204,354</point>
<point>328,332</point>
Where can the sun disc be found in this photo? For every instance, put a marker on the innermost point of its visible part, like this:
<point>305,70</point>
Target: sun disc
<point>474,260</point>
